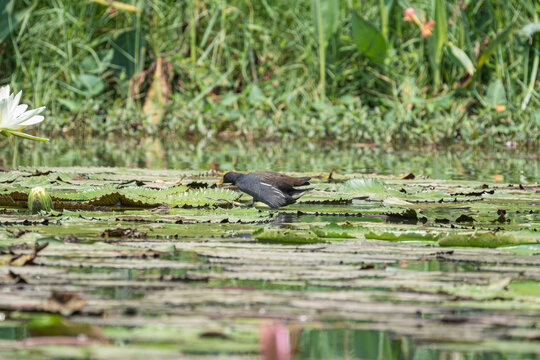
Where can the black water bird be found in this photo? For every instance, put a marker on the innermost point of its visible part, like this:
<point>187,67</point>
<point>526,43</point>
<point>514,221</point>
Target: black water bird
<point>272,188</point>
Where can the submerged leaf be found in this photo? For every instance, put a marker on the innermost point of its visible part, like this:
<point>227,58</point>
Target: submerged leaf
<point>286,236</point>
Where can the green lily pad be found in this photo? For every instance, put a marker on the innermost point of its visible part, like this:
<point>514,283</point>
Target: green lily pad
<point>490,239</point>
<point>334,230</point>
<point>287,236</point>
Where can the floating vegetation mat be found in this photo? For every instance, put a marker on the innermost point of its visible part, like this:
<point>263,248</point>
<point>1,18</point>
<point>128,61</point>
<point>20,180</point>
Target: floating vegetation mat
<point>165,264</point>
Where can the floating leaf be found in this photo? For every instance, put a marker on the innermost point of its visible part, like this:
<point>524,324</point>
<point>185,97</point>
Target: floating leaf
<point>363,186</point>
<point>287,236</point>
<point>490,239</point>
<point>402,236</point>
<point>334,230</point>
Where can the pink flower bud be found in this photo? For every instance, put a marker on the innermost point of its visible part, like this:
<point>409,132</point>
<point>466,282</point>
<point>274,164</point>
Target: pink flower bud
<point>409,14</point>
<point>275,341</point>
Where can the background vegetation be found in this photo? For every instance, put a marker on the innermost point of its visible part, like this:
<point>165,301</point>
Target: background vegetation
<point>346,70</point>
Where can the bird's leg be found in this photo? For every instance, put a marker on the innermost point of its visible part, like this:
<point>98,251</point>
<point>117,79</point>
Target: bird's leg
<point>250,205</point>
<point>247,206</point>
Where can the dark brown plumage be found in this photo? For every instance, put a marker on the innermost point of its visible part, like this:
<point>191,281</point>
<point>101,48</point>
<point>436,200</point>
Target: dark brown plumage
<point>272,188</point>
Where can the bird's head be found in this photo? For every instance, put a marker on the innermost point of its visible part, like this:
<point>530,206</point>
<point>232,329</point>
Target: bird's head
<point>229,178</point>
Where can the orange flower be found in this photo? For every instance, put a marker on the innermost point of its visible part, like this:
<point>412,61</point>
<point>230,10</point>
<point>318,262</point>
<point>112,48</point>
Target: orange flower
<point>500,108</point>
<point>427,27</point>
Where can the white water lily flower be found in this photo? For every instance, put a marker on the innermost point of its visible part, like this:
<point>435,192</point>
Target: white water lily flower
<point>14,117</point>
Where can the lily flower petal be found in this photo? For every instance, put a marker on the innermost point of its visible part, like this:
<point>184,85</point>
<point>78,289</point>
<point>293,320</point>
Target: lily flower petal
<point>33,120</point>
<point>14,117</point>
<point>19,110</point>
<point>15,102</point>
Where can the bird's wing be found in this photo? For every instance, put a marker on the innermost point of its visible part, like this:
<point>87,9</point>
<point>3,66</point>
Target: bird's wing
<point>281,181</point>
<point>273,197</point>
<point>267,193</point>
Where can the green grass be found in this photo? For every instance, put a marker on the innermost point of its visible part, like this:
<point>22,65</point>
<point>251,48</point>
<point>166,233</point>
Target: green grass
<point>253,69</point>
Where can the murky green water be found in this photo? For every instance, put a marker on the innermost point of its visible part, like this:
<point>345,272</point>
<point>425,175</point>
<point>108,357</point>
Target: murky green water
<point>506,165</point>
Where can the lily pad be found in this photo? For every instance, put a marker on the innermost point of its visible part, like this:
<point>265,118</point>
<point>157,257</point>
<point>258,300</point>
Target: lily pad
<point>490,239</point>
<point>286,236</point>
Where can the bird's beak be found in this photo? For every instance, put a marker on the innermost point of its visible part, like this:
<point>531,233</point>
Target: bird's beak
<point>220,182</point>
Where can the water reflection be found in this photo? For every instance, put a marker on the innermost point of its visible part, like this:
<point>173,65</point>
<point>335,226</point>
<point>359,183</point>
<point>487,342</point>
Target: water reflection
<point>494,164</point>
<point>378,345</point>
<point>12,330</point>
<point>435,265</point>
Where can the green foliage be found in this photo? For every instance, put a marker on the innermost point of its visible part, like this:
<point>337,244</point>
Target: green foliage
<point>9,19</point>
<point>127,53</point>
<point>493,45</point>
<point>325,20</point>
<point>259,68</point>
<point>369,41</point>
<point>495,94</point>
<point>460,57</point>
<point>438,40</point>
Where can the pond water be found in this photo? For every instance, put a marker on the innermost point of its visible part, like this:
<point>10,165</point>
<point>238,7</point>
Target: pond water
<point>132,264</point>
<point>343,343</point>
<point>502,164</point>
<point>376,345</point>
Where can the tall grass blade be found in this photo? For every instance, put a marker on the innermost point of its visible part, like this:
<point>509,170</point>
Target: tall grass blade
<point>118,5</point>
<point>385,8</point>
<point>9,22</point>
<point>494,44</point>
<point>438,40</point>
<point>325,18</point>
